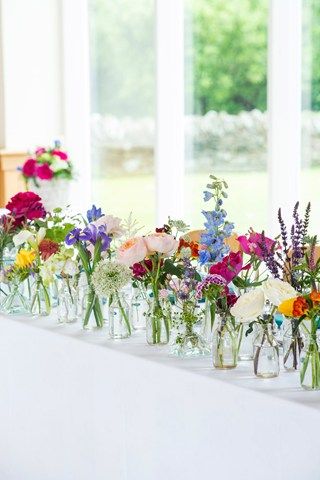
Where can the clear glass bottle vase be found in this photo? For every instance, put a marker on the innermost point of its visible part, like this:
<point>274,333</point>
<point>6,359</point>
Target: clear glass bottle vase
<point>266,353</point>
<point>310,364</point>
<point>158,322</point>
<point>14,301</point>
<point>119,317</point>
<point>40,301</point>
<point>225,343</point>
<point>68,301</point>
<point>139,308</point>
<point>293,343</point>
<point>245,342</point>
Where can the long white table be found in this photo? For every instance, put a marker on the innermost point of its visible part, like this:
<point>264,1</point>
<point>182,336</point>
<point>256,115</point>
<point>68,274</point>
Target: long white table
<point>75,405</point>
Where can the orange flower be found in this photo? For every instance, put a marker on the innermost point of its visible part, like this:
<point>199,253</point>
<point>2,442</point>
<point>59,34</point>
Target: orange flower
<point>194,247</point>
<point>315,297</point>
<point>300,307</point>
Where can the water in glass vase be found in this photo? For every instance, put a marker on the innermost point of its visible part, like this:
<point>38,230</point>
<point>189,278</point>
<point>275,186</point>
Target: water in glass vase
<point>139,308</point>
<point>158,322</point>
<point>293,343</point>
<point>119,318</point>
<point>310,365</point>
<point>266,353</point>
<point>225,344</point>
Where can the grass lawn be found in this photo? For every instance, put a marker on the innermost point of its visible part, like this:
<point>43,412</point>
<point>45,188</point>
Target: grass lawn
<point>246,205</point>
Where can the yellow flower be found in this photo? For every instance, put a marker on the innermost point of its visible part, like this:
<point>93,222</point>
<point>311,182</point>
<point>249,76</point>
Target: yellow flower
<point>25,258</point>
<point>286,307</point>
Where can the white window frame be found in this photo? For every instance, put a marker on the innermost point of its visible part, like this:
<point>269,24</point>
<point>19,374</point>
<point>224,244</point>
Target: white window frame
<point>284,103</point>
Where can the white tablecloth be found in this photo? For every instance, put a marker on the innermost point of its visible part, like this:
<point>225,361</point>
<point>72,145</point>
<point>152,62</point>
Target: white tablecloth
<point>75,405</point>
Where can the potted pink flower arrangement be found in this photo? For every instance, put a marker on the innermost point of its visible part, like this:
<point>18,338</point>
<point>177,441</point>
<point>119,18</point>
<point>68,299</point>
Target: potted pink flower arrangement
<point>48,171</point>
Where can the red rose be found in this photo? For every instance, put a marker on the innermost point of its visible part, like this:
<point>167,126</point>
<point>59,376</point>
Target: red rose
<point>29,167</point>
<point>25,206</point>
<point>44,172</point>
<point>60,154</point>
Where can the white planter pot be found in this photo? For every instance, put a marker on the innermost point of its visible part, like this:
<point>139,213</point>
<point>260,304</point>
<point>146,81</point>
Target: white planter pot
<point>54,193</point>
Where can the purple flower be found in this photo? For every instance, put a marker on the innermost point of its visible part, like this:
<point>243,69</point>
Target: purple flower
<point>94,214</point>
<point>92,234</point>
<point>209,280</point>
<point>76,235</point>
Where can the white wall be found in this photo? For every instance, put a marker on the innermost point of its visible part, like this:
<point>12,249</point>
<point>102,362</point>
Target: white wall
<point>32,78</point>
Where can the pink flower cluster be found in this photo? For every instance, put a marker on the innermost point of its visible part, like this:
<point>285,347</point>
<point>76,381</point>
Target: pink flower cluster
<point>211,279</point>
<point>39,166</point>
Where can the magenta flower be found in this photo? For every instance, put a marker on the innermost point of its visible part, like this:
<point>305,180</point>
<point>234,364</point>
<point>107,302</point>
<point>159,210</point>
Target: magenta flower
<point>60,154</point>
<point>29,167</point>
<point>44,172</point>
<point>209,280</point>
<point>252,244</point>
<point>229,267</point>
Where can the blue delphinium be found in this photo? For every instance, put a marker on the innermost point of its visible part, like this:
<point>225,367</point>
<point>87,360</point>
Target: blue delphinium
<point>217,228</point>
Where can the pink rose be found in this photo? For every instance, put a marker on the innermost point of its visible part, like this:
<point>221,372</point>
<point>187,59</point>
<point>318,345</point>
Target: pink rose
<point>132,251</point>
<point>161,243</point>
<point>29,167</point>
<point>44,172</point>
<point>252,244</point>
<point>60,154</point>
<point>112,224</point>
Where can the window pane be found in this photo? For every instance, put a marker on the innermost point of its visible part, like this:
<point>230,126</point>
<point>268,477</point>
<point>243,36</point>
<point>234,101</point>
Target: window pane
<point>226,119</point>
<point>122,106</point>
<point>310,177</point>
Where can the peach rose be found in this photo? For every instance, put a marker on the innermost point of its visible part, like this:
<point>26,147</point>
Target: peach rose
<point>132,251</point>
<point>161,243</point>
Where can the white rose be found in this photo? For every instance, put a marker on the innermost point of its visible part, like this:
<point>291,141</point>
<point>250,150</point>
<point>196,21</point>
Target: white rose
<point>277,291</point>
<point>249,306</point>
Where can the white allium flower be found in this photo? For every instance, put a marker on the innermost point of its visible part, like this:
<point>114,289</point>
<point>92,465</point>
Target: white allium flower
<point>109,277</point>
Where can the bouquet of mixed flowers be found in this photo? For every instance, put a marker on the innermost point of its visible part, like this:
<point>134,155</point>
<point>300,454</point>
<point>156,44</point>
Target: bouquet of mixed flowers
<point>47,164</point>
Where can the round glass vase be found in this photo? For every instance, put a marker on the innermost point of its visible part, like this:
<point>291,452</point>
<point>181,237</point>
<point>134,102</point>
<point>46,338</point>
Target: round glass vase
<point>119,317</point>
<point>14,301</point>
<point>139,307</point>
<point>310,364</point>
<point>225,343</point>
<point>266,353</point>
<point>245,342</point>
<point>158,322</point>
<point>68,301</point>
<point>189,343</point>
<point>293,343</point>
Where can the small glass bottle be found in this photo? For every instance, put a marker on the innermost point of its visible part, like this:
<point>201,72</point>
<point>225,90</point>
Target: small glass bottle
<point>293,343</point>
<point>310,364</point>
<point>158,322</point>
<point>119,317</point>
<point>245,342</point>
<point>139,308</point>
<point>68,304</point>
<point>40,301</point>
<point>266,353</point>
<point>225,343</point>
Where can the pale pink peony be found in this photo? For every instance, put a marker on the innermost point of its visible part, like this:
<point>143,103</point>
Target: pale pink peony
<point>112,224</point>
<point>161,243</point>
<point>132,251</point>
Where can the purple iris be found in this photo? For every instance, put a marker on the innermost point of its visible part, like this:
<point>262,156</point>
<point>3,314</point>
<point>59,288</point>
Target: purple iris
<point>94,214</point>
<point>92,234</point>
<point>76,235</point>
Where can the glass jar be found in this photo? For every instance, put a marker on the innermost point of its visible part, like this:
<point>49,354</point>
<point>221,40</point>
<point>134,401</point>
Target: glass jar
<point>68,303</point>
<point>91,311</point>
<point>139,308</point>
<point>14,302</point>
<point>225,343</point>
<point>158,322</point>
<point>119,317</point>
<point>208,321</point>
<point>245,342</point>
<point>310,364</point>
<point>40,301</point>
<point>266,353</point>
<point>292,345</point>
<point>189,343</point>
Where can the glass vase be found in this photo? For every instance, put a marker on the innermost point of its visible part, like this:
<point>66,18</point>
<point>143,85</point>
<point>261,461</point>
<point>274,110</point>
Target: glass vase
<point>225,343</point>
<point>139,308</point>
<point>14,302</point>
<point>208,321</point>
<point>158,322</point>
<point>245,342</point>
<point>92,316</point>
<point>119,317</point>
<point>68,303</point>
<point>310,364</point>
<point>266,353</point>
<point>40,301</point>
<point>292,345</point>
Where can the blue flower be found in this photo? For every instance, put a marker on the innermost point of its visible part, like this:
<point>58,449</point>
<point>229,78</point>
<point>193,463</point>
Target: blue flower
<point>92,234</point>
<point>74,236</point>
<point>204,256</point>
<point>207,196</point>
<point>94,214</point>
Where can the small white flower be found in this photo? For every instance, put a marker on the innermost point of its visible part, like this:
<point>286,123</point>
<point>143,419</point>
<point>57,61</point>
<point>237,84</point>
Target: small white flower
<point>22,237</point>
<point>249,306</point>
<point>277,291</point>
<point>109,277</point>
